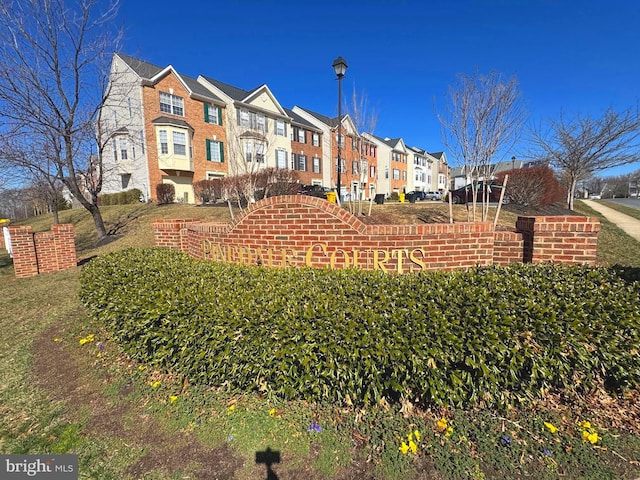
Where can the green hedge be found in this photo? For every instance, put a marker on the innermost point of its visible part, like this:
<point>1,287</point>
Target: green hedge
<point>490,336</point>
<point>121,198</point>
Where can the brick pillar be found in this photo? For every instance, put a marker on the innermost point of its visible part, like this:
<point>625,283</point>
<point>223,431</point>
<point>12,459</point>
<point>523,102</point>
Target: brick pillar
<point>25,262</point>
<point>170,233</point>
<point>65,246</point>
<point>562,239</point>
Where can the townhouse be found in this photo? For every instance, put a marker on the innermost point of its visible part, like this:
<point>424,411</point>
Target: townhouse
<point>161,126</point>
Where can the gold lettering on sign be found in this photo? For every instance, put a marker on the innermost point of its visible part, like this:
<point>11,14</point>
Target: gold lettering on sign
<point>378,263</point>
<point>309,254</point>
<point>415,260</point>
<point>333,258</point>
<point>406,260</point>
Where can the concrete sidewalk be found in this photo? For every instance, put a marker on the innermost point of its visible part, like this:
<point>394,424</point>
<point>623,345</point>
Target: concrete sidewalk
<point>630,225</point>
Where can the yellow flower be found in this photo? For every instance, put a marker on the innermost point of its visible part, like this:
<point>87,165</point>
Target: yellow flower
<point>591,437</point>
<point>585,424</point>
<point>172,398</point>
<point>90,337</point>
<point>413,447</point>
<point>448,432</point>
<point>56,339</point>
<point>272,412</point>
<point>230,409</point>
<point>410,436</point>
<point>404,448</point>
<point>416,434</point>
<point>83,341</point>
<point>141,367</point>
<point>442,424</point>
<point>552,428</point>
<point>156,384</point>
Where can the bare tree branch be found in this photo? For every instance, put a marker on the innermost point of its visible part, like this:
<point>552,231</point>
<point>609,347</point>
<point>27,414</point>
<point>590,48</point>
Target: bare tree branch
<point>483,117</point>
<point>54,62</point>
<point>583,145</point>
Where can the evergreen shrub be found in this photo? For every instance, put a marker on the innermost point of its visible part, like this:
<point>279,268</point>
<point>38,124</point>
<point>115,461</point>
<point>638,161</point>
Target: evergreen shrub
<point>495,337</point>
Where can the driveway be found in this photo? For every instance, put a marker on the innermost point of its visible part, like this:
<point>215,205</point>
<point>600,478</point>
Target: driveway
<point>630,225</point>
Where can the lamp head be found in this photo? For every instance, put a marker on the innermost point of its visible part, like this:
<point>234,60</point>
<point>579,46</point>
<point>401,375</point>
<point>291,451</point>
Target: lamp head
<point>340,66</point>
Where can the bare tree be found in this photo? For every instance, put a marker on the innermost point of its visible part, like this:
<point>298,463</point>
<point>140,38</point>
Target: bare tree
<point>54,65</point>
<point>483,117</point>
<point>364,119</point>
<point>583,145</point>
<point>249,148</point>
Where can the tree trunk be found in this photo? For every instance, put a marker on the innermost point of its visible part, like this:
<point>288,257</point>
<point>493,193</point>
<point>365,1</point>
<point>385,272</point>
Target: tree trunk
<point>97,221</point>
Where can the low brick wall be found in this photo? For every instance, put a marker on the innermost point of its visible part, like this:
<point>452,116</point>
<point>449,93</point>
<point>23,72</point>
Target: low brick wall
<point>42,252</point>
<point>307,231</point>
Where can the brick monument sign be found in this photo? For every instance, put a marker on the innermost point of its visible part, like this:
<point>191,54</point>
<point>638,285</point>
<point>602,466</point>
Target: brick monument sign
<point>299,230</point>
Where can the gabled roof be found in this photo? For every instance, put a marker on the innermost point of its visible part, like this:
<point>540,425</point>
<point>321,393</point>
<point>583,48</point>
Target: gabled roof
<point>389,142</point>
<point>298,120</point>
<point>331,122</point>
<point>143,69</point>
<point>437,155</point>
<point>153,73</point>
<point>235,93</point>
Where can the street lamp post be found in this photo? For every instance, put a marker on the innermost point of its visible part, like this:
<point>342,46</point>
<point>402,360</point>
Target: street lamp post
<point>340,67</point>
<point>513,163</point>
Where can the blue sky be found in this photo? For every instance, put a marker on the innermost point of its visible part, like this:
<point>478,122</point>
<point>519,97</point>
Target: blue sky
<point>578,57</point>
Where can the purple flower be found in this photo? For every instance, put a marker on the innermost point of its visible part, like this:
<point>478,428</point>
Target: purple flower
<point>315,427</point>
<point>199,421</point>
<point>505,439</point>
<point>100,346</point>
<point>546,452</point>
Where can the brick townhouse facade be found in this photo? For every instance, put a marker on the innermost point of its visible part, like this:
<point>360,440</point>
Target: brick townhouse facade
<point>167,127</point>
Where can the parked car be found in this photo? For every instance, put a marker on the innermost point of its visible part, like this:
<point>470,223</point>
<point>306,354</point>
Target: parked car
<point>414,196</point>
<point>433,196</point>
<point>595,196</point>
<point>465,194</point>
<point>314,191</point>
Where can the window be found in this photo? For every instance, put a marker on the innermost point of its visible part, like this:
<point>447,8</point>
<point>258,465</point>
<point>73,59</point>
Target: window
<point>248,152</point>
<point>281,159</point>
<point>386,172</point>
<point>215,151</point>
<point>354,167</point>
<point>404,175</point>
<point>115,150</point>
<point>315,139</point>
<point>281,128</point>
<point>179,143</point>
<point>396,174</point>
<point>302,136</point>
<point>372,171</point>
<point>340,140</point>
<point>316,165</point>
<point>123,149</point>
<point>212,114</point>
<point>171,104</point>
<point>354,143</point>
<point>164,143</point>
<point>301,163</point>
<point>252,120</point>
<point>373,150</point>
<point>260,153</point>
<point>343,167</point>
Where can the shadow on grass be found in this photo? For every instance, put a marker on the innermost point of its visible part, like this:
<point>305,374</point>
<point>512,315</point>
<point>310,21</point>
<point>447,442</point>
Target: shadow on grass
<point>268,458</point>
